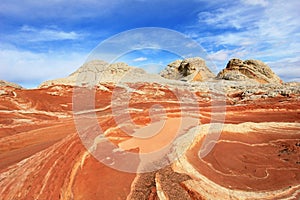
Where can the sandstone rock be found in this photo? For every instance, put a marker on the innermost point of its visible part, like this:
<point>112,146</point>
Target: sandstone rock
<point>171,71</point>
<point>96,72</point>
<point>3,92</point>
<point>10,84</point>
<point>40,145</point>
<point>272,94</point>
<point>190,69</point>
<point>252,70</point>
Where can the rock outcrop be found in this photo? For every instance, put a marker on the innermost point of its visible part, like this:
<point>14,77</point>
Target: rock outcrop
<point>43,157</point>
<point>97,71</point>
<point>190,69</point>
<point>249,70</point>
<point>10,84</point>
<point>53,148</point>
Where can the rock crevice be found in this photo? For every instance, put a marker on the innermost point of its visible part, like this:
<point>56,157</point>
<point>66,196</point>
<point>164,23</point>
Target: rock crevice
<point>190,69</point>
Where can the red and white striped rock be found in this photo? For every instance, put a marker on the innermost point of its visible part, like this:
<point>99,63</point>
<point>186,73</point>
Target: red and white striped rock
<point>43,157</point>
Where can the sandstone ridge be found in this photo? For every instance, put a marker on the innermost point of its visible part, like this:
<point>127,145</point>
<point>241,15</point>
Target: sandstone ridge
<point>97,71</point>
<point>10,84</point>
<point>194,69</point>
<point>190,69</point>
<point>249,70</point>
<point>49,143</point>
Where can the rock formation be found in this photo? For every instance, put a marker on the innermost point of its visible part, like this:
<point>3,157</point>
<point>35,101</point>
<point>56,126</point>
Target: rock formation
<point>190,69</point>
<point>6,83</point>
<point>249,70</point>
<point>44,155</point>
<point>97,71</point>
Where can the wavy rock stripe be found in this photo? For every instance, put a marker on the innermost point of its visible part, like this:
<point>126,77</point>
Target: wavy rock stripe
<point>42,156</point>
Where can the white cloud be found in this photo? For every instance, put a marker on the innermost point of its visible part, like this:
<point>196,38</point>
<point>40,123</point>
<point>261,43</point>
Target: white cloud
<point>257,29</point>
<point>256,2</point>
<point>287,68</point>
<point>30,69</point>
<point>46,34</point>
<point>140,59</point>
<point>58,9</point>
<point>236,17</point>
<point>221,55</point>
<point>238,39</point>
<point>152,68</point>
<point>277,21</point>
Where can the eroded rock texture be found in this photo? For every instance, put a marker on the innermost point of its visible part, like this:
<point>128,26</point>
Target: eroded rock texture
<point>96,72</point>
<point>249,70</point>
<point>190,69</point>
<point>10,84</point>
<point>256,156</point>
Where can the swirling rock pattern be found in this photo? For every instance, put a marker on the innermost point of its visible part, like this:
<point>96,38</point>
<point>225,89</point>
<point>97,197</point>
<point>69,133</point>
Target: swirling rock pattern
<point>42,156</point>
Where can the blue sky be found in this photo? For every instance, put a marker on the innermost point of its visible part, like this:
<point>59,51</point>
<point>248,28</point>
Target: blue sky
<point>42,40</point>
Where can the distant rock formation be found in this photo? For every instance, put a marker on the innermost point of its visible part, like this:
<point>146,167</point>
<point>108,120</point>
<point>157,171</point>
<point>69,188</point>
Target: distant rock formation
<point>52,149</point>
<point>249,70</point>
<point>194,69</point>
<point>98,71</point>
<point>190,69</point>
<point>6,83</point>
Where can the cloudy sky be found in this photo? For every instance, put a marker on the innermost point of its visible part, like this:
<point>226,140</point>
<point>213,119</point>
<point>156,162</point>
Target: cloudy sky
<point>42,40</point>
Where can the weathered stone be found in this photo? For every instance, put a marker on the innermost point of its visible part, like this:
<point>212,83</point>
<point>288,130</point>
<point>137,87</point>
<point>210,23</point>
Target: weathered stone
<point>43,156</point>
<point>96,72</point>
<point>10,84</point>
<point>252,70</point>
<point>3,92</point>
<point>190,69</point>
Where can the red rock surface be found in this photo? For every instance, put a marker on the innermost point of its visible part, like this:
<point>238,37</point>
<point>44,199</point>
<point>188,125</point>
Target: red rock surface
<point>42,156</point>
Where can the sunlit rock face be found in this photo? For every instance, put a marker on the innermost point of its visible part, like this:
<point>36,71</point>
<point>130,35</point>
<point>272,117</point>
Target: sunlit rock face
<point>9,84</point>
<point>249,70</point>
<point>190,69</point>
<point>131,135</point>
<point>96,72</point>
<point>256,156</point>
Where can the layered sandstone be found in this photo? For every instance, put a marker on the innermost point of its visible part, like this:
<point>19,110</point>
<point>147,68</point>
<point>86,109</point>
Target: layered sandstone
<point>190,69</point>
<point>150,140</point>
<point>249,70</point>
<point>43,157</point>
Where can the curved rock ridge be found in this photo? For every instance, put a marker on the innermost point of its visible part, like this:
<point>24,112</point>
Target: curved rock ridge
<point>43,157</point>
<point>190,69</point>
<point>97,71</point>
<point>242,164</point>
<point>10,84</point>
<point>249,70</point>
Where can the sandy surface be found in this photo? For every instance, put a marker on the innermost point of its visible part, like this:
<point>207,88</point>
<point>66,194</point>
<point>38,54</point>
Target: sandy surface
<point>42,156</point>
